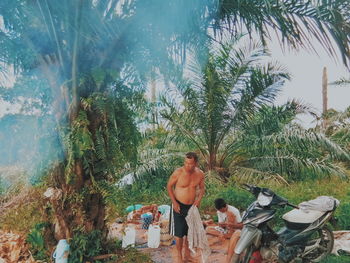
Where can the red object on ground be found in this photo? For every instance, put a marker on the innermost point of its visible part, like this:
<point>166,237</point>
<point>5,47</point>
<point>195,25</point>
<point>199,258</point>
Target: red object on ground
<point>256,257</point>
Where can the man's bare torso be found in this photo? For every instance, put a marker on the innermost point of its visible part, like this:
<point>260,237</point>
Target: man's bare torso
<point>185,188</point>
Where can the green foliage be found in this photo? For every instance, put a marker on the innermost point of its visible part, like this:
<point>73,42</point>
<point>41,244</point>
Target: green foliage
<point>343,215</point>
<point>36,241</point>
<point>104,137</point>
<point>336,259</point>
<point>338,128</point>
<point>84,246</point>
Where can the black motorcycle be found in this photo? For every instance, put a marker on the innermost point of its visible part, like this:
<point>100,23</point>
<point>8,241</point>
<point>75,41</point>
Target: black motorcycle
<point>305,237</point>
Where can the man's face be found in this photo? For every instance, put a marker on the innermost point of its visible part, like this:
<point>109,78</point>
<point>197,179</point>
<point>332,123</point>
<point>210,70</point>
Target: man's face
<point>223,210</point>
<point>190,165</point>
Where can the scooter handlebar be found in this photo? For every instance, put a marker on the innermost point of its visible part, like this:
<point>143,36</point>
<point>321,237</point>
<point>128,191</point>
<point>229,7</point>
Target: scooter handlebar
<point>255,190</point>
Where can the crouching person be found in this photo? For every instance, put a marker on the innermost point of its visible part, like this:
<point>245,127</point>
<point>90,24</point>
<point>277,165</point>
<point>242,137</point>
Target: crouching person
<point>229,220</point>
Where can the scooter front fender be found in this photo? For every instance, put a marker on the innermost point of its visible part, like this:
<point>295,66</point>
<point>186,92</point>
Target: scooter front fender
<point>249,235</point>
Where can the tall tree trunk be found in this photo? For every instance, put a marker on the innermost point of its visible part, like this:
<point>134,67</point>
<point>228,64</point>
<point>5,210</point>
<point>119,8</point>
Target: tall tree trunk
<point>324,97</point>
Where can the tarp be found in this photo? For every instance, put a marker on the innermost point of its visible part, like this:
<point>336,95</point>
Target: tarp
<point>321,203</point>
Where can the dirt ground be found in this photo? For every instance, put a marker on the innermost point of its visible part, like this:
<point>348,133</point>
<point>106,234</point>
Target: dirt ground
<point>167,254</point>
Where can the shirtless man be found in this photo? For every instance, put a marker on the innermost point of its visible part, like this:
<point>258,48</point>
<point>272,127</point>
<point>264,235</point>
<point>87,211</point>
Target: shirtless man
<point>182,191</point>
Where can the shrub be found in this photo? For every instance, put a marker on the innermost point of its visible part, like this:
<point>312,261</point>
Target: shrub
<point>84,246</point>
<point>36,241</point>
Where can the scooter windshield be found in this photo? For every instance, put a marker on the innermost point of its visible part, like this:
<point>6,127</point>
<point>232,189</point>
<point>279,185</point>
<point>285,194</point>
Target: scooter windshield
<point>264,200</point>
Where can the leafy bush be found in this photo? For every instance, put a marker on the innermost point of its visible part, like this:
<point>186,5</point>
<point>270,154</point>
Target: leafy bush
<point>84,246</point>
<point>36,241</point>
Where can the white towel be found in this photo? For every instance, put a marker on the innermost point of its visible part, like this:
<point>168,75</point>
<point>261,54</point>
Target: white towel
<point>197,237</point>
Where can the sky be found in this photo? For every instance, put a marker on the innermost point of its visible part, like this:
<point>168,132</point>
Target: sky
<point>306,69</point>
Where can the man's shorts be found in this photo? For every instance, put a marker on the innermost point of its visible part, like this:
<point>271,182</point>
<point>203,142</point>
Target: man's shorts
<point>179,227</point>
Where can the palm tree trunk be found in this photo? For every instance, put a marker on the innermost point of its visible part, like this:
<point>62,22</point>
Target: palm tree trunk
<point>212,161</point>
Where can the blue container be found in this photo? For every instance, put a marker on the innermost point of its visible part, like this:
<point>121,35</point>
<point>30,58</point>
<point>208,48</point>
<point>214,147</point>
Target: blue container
<point>61,253</point>
<point>146,220</point>
<point>133,207</point>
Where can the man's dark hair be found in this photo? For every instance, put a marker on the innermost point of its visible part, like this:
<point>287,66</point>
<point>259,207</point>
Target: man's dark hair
<point>219,203</point>
<point>192,155</point>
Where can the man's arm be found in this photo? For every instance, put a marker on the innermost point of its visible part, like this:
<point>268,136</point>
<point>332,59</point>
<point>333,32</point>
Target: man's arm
<point>170,187</point>
<point>232,221</point>
<point>197,202</point>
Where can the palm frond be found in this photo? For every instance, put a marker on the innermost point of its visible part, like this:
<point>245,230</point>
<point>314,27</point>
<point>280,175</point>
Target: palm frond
<point>248,174</point>
<point>341,82</point>
<point>293,167</point>
<point>294,20</point>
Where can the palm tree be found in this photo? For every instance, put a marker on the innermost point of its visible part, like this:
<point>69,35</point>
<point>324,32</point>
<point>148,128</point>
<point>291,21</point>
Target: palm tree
<point>229,88</point>
<point>225,113</point>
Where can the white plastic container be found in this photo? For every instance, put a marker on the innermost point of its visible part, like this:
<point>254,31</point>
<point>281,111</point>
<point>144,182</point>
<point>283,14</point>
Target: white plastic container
<point>129,237</point>
<point>153,236</point>
<point>61,253</point>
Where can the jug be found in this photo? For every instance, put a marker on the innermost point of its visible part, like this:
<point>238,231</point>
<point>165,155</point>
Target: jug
<point>61,253</point>
<point>129,237</point>
<point>153,236</point>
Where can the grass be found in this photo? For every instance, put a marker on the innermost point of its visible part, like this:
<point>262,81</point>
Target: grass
<point>336,259</point>
<point>25,207</point>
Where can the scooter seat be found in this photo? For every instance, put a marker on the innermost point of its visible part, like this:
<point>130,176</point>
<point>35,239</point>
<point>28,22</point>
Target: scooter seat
<point>302,216</point>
